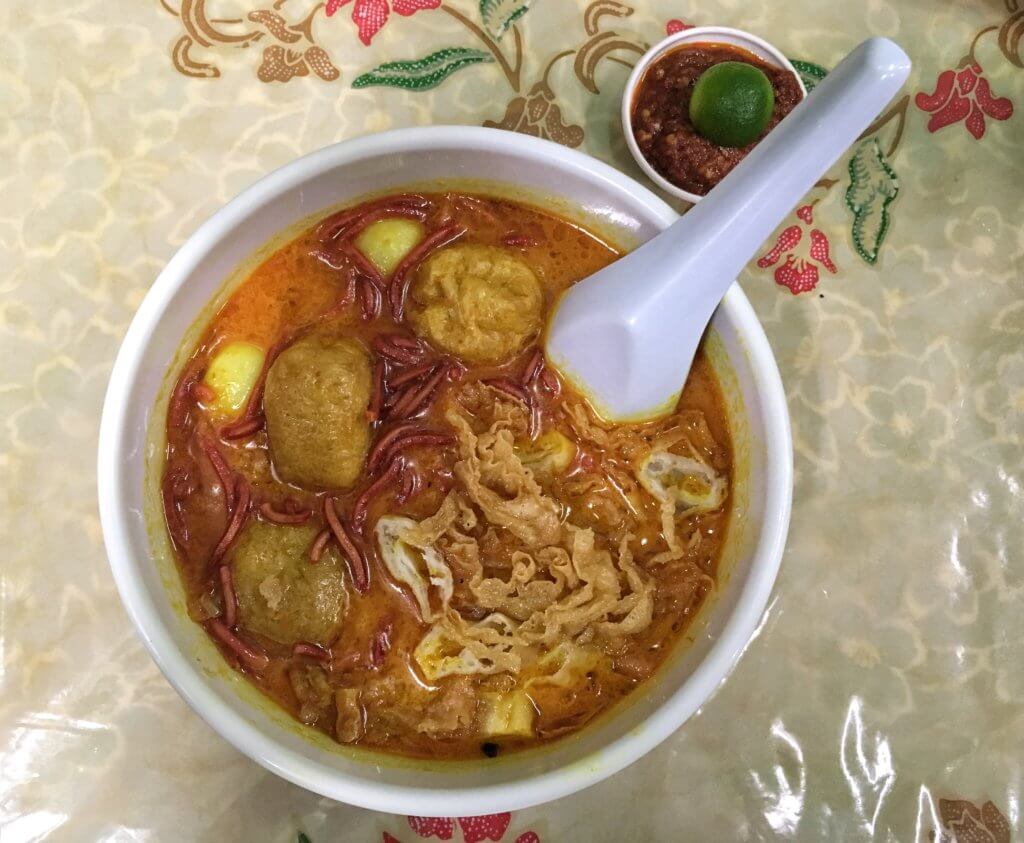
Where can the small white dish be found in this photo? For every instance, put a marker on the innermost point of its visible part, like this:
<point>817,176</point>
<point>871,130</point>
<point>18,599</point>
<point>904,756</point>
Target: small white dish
<point>698,35</point>
<point>131,447</point>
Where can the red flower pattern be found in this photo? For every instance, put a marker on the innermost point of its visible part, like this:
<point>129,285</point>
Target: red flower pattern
<point>799,274</point>
<point>440,827</point>
<point>675,25</point>
<point>963,94</point>
<point>489,827</point>
<point>371,15</point>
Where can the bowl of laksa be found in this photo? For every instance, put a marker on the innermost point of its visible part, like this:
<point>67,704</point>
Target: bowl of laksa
<point>374,539</point>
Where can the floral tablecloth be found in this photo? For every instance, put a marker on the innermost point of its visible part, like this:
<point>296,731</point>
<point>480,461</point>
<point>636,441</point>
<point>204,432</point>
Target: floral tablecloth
<point>883,696</point>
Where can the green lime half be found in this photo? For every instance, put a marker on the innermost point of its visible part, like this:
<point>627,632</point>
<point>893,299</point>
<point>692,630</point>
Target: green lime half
<point>732,103</point>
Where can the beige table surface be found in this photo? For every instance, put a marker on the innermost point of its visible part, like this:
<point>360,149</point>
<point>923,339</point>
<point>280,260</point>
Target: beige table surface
<point>884,695</point>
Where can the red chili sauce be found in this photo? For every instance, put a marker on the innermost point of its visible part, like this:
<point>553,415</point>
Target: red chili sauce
<point>661,115</point>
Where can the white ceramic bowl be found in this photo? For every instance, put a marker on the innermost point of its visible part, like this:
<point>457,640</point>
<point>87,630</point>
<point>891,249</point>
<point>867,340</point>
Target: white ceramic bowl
<point>697,35</point>
<point>129,456</point>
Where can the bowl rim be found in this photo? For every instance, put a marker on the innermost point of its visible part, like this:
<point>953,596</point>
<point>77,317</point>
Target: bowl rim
<point>188,678</point>
<point>697,34</point>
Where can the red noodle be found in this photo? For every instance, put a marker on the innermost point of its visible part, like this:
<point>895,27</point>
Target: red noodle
<point>416,440</point>
<point>398,348</point>
<point>242,428</point>
<point>370,217</point>
<point>349,661</point>
<point>227,587</point>
<point>469,205</point>
<point>510,388</point>
<point>403,272</point>
<point>380,646</point>
<point>369,300</point>
<point>255,406</point>
<point>276,516</point>
<point>360,261</point>
<point>362,504</point>
<point>224,472</point>
<point>349,295</point>
<point>534,419</point>
<point>241,512</point>
<point>377,396</point>
<point>250,655</point>
<point>549,381</point>
<point>201,392</point>
<point>376,457</point>
<point>405,342</point>
<point>411,374</point>
<point>417,397</point>
<point>456,371</point>
<point>410,486</point>
<point>175,523</point>
<point>357,563</point>
<point>533,367</point>
<point>177,410</point>
<point>313,651</point>
<point>331,257</point>
<point>316,550</point>
<point>337,223</point>
<point>346,299</point>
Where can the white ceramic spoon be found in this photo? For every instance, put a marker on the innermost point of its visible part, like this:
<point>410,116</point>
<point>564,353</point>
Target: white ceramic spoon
<point>626,336</point>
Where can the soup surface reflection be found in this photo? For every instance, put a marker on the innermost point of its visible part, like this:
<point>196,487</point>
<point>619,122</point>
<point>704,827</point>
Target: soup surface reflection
<point>398,522</point>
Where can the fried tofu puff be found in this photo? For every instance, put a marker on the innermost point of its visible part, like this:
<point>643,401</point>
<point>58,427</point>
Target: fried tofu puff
<point>281,595</point>
<point>481,303</point>
<point>315,402</point>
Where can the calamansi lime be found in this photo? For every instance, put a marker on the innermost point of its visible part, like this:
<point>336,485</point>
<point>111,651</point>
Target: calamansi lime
<point>732,103</point>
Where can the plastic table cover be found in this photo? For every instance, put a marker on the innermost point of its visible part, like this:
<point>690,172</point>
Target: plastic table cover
<point>882,697</point>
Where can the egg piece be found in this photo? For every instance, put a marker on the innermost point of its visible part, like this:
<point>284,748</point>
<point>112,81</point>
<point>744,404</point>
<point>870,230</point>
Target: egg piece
<point>387,241</point>
<point>689,483</point>
<point>508,715</point>
<point>439,655</point>
<point>548,455</point>
<point>483,647</point>
<point>416,568</point>
<point>281,594</point>
<point>481,303</point>
<point>315,402</point>
<point>231,375</point>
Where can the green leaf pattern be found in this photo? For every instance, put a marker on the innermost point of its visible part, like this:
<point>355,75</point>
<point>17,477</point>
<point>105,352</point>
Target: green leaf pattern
<point>809,72</point>
<point>499,15</point>
<point>873,187</point>
<point>422,74</point>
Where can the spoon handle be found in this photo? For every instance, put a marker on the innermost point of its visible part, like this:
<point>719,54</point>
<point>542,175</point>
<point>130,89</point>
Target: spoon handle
<point>713,241</point>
